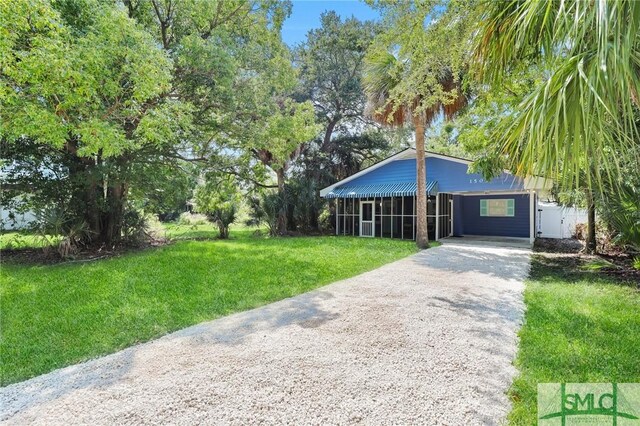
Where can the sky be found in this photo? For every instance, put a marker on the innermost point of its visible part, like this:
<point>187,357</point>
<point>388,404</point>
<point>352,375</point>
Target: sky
<point>306,16</point>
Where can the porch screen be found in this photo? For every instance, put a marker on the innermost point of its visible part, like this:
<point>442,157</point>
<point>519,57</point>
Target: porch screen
<point>499,207</point>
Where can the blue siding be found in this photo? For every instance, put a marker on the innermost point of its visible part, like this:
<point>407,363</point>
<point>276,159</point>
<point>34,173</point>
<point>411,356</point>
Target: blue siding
<point>474,224</point>
<point>450,175</point>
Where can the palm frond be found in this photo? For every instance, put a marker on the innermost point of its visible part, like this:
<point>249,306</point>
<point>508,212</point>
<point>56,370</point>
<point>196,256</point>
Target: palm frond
<point>583,116</point>
<point>384,73</point>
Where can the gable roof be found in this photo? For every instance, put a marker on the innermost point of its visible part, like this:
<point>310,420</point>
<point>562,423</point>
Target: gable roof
<point>405,154</point>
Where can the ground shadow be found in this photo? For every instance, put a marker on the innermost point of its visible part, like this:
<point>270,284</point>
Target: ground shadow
<point>303,310</point>
<point>510,263</point>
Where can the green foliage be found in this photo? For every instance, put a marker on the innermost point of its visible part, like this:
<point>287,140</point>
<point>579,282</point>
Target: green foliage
<point>415,66</point>
<point>190,219</point>
<point>300,203</point>
<point>143,90</point>
<point>413,74</point>
<point>135,226</point>
<point>348,154</point>
<point>162,189</point>
<point>102,79</point>
<point>56,227</point>
<point>474,130</point>
<point>75,86</point>
<point>81,311</point>
<point>139,90</point>
<point>219,199</point>
<point>284,131</point>
<point>621,211</point>
<point>598,264</point>
<point>265,209</point>
<point>330,63</point>
<point>304,205</point>
<point>581,114</point>
<point>26,240</point>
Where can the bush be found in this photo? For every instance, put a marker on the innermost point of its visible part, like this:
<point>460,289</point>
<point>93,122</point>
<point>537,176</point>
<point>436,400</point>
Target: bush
<point>219,200</point>
<point>326,220</point>
<point>301,202</point>
<point>135,227</point>
<point>223,217</point>
<point>57,228</point>
<point>264,209</point>
<point>305,204</point>
<point>621,212</point>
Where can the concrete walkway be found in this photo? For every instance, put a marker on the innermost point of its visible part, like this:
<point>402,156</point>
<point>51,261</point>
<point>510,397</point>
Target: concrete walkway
<point>425,340</point>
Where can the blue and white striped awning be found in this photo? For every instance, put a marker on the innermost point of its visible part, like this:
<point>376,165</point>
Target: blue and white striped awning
<point>405,189</point>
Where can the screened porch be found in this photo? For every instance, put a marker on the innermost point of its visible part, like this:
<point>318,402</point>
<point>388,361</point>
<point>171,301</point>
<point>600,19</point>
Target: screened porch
<point>370,212</point>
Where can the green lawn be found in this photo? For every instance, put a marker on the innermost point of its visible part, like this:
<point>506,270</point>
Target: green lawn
<point>57,315</point>
<point>20,240</point>
<point>207,231</point>
<point>579,327</point>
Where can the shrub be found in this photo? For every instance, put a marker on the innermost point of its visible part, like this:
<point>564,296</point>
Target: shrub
<point>621,212</point>
<point>264,209</point>
<point>223,216</point>
<point>305,204</point>
<point>300,201</point>
<point>219,200</point>
<point>135,227</point>
<point>57,228</point>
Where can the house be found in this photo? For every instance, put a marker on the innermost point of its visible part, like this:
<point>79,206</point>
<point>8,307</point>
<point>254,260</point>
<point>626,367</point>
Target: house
<point>380,201</point>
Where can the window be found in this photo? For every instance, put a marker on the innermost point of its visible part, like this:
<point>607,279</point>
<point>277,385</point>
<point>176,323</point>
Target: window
<point>497,207</point>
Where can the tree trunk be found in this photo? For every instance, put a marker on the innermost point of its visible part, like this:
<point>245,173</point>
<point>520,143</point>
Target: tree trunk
<point>314,222</point>
<point>422,236</point>
<point>326,141</point>
<point>223,230</point>
<point>112,218</point>
<point>281,226</point>
<point>591,224</point>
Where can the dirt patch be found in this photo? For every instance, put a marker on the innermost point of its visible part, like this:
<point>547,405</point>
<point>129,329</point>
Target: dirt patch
<point>558,245</point>
<point>579,266</point>
<point>49,256</point>
<point>611,260</point>
<point>621,267</point>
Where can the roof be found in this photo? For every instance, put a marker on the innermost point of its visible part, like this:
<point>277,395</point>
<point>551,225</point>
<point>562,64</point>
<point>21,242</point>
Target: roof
<point>380,190</point>
<point>408,153</point>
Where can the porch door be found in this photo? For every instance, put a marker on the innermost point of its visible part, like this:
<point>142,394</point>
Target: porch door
<point>450,217</point>
<point>366,219</point>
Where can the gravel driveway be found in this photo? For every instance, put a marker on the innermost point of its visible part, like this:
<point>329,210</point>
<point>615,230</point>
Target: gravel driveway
<point>425,340</point>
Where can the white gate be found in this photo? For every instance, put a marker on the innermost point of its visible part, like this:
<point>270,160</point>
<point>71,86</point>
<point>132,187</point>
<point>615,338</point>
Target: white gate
<point>555,221</point>
<point>366,219</point>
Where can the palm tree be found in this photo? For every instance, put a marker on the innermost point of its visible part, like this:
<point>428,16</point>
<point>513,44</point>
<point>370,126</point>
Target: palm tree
<point>582,116</point>
<point>383,73</point>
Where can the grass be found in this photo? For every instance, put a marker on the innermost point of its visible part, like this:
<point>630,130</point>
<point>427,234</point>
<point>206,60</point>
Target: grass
<point>22,240</point>
<point>207,231</point>
<point>579,327</point>
<point>57,315</point>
